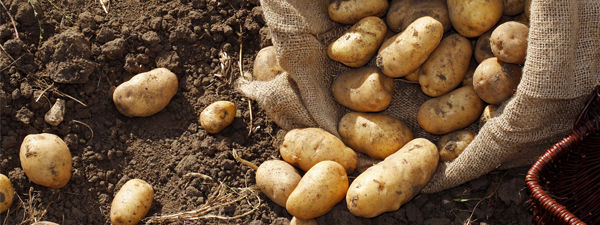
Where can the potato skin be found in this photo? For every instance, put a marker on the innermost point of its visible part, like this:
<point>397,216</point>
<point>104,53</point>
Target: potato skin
<point>358,45</point>
<point>472,18</point>
<point>406,51</point>
<point>403,12</point>
<point>296,221</point>
<point>488,113</point>
<point>445,69</point>
<point>376,135</point>
<point>351,11</point>
<point>513,7</point>
<point>7,193</point>
<point>450,112</point>
<point>363,90</point>
<point>306,147</point>
<point>468,81</point>
<point>131,203</point>
<point>44,223</point>
<point>452,144</point>
<point>389,184</point>
<point>321,188</point>
<point>483,50</point>
<point>495,81</point>
<point>414,75</point>
<point>146,94</point>
<point>46,160</point>
<point>277,179</point>
<point>266,67</point>
<point>217,116</point>
<point>509,42</point>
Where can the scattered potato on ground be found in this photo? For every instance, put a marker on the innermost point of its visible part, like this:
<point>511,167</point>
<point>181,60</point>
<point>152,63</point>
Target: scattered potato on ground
<point>509,42</point>
<point>46,160</point>
<point>296,221</point>
<point>321,188</point>
<point>7,192</point>
<point>483,50</point>
<point>131,203</point>
<point>376,135</point>
<point>217,116</point>
<point>146,94</point>
<point>277,179</point>
<point>472,18</point>
<point>351,11</point>
<point>452,144</point>
<point>364,90</point>
<point>488,113</point>
<point>389,184</point>
<point>266,66</point>
<point>495,81</point>
<point>358,45</point>
<point>403,12</point>
<point>307,146</point>
<point>513,7</point>
<point>453,111</point>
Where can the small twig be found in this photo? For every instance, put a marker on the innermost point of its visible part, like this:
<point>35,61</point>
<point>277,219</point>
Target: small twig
<point>11,20</point>
<point>88,126</point>
<point>251,118</point>
<point>44,92</point>
<point>12,63</point>
<point>39,22</point>
<point>71,97</point>
<point>60,11</point>
<point>243,161</point>
<point>5,52</point>
<point>198,175</point>
<point>104,6</point>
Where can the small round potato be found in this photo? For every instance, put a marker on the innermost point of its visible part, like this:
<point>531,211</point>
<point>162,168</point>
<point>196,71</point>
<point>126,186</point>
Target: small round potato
<point>453,111</point>
<point>364,90</point>
<point>7,193</point>
<point>495,81</point>
<point>321,188</point>
<point>296,221</point>
<point>277,179</point>
<point>266,66</point>
<point>488,113</point>
<point>414,75</point>
<point>513,7</point>
<point>146,94</point>
<point>509,42</point>
<point>472,18</point>
<point>452,144</point>
<point>131,203</point>
<point>217,116</point>
<point>46,160</point>
<point>403,12</point>
<point>351,11</point>
<point>358,45</point>
<point>306,147</point>
<point>376,135</point>
<point>483,50</point>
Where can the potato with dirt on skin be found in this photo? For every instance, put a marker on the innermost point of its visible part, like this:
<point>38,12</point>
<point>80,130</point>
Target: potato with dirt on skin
<point>488,113</point>
<point>358,45</point>
<point>389,184</point>
<point>46,160</point>
<point>468,81</point>
<point>7,193</point>
<point>453,111</point>
<point>509,42</point>
<point>146,94</point>
<point>296,221</point>
<point>403,12</point>
<point>277,179</point>
<point>266,67</point>
<point>472,18</point>
<point>365,89</point>
<point>483,50</point>
<point>217,116</point>
<point>446,67</point>
<point>452,144</point>
<point>513,7</point>
<point>406,51</point>
<point>376,135</point>
<point>321,188</point>
<point>495,81</point>
<point>306,147</point>
<point>131,203</point>
<point>351,11</point>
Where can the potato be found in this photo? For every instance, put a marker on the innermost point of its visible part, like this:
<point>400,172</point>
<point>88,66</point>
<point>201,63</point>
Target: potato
<point>44,223</point>
<point>452,144</point>
<point>131,203</point>
<point>509,42</point>
<point>46,160</point>
<point>472,18</point>
<point>483,50</point>
<point>146,94</point>
<point>296,221</point>
<point>488,113</point>
<point>406,51</point>
<point>306,147</point>
<point>376,135</point>
<point>351,11</point>
<point>364,90</point>
<point>513,7</point>
<point>414,75</point>
<point>495,81</point>
<point>217,116</point>
<point>277,179</point>
<point>450,112</point>
<point>403,12</point>
<point>468,81</point>
<point>321,188</point>
<point>266,66</point>
<point>527,9</point>
<point>387,185</point>
<point>446,67</point>
<point>358,45</point>
<point>7,193</point>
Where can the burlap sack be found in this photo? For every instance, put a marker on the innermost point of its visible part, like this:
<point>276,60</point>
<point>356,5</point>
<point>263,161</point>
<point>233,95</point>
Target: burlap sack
<point>561,69</point>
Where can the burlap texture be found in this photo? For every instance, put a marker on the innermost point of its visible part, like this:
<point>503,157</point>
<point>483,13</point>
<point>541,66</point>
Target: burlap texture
<point>561,69</point>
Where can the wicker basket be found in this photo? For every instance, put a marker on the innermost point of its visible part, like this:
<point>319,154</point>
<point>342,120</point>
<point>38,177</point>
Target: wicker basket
<point>564,183</point>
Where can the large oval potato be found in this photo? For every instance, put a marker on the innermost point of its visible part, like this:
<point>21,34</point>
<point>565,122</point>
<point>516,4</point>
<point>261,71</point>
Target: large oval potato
<point>406,51</point>
<point>351,11</point>
<point>509,42</point>
<point>446,67</point>
<point>403,12</point>
<point>46,160</point>
<point>376,135</point>
<point>266,67</point>
<point>495,81</point>
<point>364,90</point>
<point>146,94</point>
<point>472,18</point>
<point>296,221</point>
<point>307,146</point>
<point>358,45</point>
<point>7,193</point>
<point>217,116</point>
<point>450,112</point>
<point>277,179</point>
<point>389,184</point>
<point>452,144</point>
<point>131,203</point>
<point>323,186</point>
<point>483,50</point>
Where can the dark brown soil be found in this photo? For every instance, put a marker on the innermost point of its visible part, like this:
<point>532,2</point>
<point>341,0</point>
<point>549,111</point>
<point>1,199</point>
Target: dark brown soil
<point>83,52</point>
